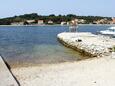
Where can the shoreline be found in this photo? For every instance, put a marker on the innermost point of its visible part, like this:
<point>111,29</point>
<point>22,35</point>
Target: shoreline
<point>95,71</point>
<point>50,64</point>
<point>62,25</point>
<point>62,63</point>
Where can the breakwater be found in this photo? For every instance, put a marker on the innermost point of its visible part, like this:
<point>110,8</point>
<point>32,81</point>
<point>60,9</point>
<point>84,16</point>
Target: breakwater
<point>87,43</point>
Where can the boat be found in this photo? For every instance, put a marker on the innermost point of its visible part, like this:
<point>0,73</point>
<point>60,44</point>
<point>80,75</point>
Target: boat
<point>110,31</point>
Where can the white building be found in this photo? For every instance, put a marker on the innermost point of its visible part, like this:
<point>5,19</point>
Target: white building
<point>113,20</point>
<point>50,22</point>
<point>30,21</point>
<point>81,21</point>
<point>40,22</point>
<point>17,23</point>
<point>63,23</point>
<point>67,23</point>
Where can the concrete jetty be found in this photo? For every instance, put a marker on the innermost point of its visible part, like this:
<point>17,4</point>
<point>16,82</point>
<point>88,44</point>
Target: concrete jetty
<point>87,43</point>
<point>6,78</point>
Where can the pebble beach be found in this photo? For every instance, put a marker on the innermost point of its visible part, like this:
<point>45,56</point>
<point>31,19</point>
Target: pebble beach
<point>90,72</point>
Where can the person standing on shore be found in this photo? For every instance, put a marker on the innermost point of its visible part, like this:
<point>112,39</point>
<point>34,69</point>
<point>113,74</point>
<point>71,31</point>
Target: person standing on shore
<point>73,25</point>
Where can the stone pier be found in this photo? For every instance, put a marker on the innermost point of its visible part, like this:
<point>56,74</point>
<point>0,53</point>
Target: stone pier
<point>87,43</point>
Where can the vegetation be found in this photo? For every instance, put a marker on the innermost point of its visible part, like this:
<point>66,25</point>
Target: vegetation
<point>56,19</point>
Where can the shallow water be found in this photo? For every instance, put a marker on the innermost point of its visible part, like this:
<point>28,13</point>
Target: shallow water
<point>34,45</point>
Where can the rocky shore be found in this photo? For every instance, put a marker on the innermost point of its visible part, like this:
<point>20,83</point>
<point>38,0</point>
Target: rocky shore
<point>87,43</point>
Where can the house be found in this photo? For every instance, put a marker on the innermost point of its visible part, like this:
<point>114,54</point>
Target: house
<point>81,21</point>
<point>50,22</point>
<point>113,20</point>
<point>40,22</point>
<point>68,23</point>
<point>63,23</point>
<point>30,21</point>
<point>102,21</point>
<point>17,23</point>
<point>74,22</point>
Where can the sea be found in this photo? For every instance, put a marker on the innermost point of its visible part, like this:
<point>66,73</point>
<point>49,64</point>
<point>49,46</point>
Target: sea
<point>36,45</point>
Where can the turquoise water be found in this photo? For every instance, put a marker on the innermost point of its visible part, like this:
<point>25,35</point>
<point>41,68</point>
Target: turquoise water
<point>35,45</point>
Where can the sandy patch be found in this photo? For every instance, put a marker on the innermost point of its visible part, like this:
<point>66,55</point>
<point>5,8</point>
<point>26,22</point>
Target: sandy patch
<point>90,72</point>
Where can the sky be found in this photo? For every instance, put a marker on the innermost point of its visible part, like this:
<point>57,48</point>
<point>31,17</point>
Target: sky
<point>9,8</point>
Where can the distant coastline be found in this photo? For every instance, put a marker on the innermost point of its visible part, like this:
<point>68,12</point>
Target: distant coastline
<point>34,19</point>
<point>61,25</point>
